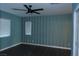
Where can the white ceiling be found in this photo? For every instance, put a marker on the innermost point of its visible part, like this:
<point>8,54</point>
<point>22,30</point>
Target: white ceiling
<point>49,9</point>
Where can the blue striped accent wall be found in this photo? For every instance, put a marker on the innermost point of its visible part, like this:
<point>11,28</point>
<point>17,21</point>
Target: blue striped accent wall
<point>54,30</point>
<point>15,30</point>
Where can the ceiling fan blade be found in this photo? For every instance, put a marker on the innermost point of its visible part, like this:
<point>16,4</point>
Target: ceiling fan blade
<point>38,9</point>
<point>26,6</point>
<point>19,9</point>
<point>36,12</point>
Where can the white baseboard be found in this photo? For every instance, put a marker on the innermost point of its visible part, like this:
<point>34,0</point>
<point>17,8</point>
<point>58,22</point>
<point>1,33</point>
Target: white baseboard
<point>10,46</point>
<point>47,45</point>
<point>34,44</point>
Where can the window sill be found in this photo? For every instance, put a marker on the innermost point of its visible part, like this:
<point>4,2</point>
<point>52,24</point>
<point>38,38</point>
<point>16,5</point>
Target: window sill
<point>3,36</point>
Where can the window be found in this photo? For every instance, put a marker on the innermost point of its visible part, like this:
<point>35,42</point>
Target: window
<point>4,27</point>
<point>28,28</point>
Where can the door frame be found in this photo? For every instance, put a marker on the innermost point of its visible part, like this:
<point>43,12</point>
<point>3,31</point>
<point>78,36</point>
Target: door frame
<point>75,31</point>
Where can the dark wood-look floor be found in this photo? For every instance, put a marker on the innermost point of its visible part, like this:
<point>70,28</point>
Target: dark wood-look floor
<point>31,50</point>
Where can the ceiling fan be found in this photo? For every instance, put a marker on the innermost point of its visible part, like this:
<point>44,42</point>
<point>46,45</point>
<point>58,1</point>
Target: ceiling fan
<point>29,9</point>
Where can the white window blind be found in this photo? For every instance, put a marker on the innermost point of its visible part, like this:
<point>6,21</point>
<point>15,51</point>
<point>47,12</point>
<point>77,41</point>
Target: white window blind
<point>5,27</point>
<point>28,26</point>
